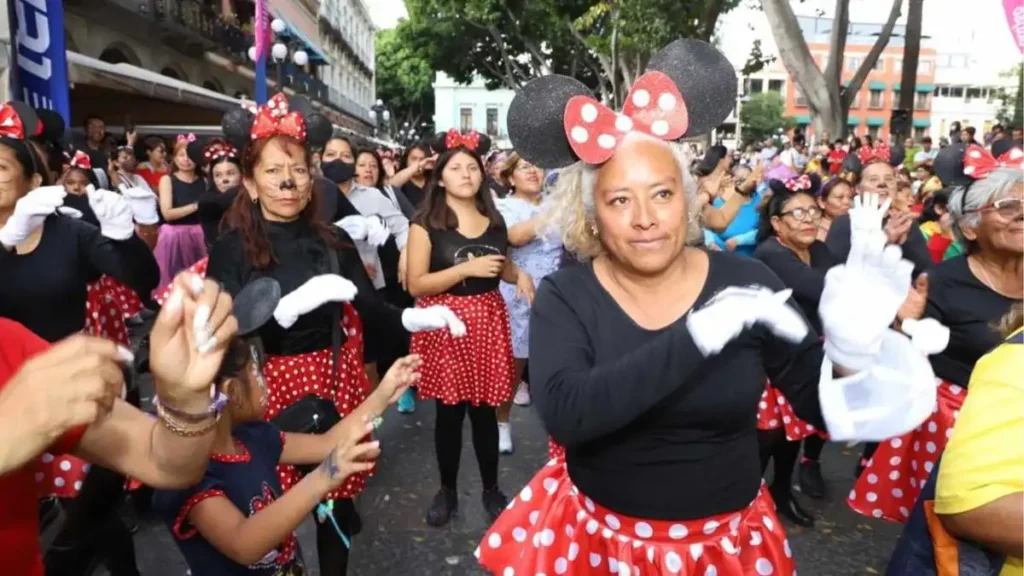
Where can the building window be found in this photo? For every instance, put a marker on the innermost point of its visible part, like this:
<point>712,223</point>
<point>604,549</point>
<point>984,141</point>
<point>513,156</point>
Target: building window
<point>852,64</point>
<point>856,101</point>
<point>924,67</point>
<point>752,86</point>
<point>875,99</point>
<point>879,65</point>
<point>921,101</point>
<point>801,101</point>
<point>492,121</point>
<point>873,132</point>
<point>895,98</point>
<point>973,93</point>
<point>956,91</point>
<point>899,64</point>
<point>466,119</point>
<point>918,133</point>
<point>775,86</point>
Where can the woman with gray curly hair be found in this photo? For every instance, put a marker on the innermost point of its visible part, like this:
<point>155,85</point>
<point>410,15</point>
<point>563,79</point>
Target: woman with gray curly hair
<point>969,294</point>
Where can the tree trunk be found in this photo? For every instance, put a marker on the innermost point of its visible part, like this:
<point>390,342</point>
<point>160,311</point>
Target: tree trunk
<point>911,51</point>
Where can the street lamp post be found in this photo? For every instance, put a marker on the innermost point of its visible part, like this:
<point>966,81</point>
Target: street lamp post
<point>381,117</point>
<point>279,52</point>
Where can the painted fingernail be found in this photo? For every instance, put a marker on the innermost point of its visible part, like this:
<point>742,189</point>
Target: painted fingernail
<point>199,321</point>
<point>196,284</point>
<point>209,344</point>
<point>124,354</point>
<point>175,300</point>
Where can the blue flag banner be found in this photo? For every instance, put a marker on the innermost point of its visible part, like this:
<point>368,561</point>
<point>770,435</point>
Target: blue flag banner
<point>39,71</point>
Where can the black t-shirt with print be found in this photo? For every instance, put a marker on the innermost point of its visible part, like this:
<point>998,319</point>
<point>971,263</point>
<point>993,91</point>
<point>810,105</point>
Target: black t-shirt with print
<point>449,248</point>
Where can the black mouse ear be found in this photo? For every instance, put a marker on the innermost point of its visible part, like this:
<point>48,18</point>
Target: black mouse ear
<point>318,130</point>
<point>536,123</point>
<point>438,144</point>
<point>484,144</point>
<point>704,77</point>
<point>236,125</point>
<point>1001,147</point>
<point>852,163</point>
<point>51,127</point>
<point>194,150</point>
<point>949,165</point>
<point>254,305</point>
<point>897,154</point>
<point>302,105</point>
<point>28,118</point>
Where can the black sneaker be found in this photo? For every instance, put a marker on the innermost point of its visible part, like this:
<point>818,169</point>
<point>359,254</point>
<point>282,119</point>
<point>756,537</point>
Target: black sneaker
<point>811,482</point>
<point>495,503</point>
<point>442,507</point>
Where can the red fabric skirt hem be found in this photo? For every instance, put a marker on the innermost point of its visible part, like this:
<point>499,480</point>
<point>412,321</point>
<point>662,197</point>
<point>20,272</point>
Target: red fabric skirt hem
<point>774,412</point>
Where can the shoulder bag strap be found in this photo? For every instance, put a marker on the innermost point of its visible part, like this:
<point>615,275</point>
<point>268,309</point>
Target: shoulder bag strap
<point>332,256</point>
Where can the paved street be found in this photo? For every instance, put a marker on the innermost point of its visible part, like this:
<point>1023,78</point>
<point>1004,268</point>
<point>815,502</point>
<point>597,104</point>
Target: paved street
<point>396,540</point>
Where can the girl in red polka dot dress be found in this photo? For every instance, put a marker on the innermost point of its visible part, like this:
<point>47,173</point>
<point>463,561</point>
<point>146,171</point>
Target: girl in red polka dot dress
<point>273,231</point>
<point>456,257</point>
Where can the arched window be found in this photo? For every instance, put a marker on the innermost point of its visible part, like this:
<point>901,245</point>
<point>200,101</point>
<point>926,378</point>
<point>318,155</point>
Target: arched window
<point>114,56</point>
<point>212,85</point>
<point>171,73</point>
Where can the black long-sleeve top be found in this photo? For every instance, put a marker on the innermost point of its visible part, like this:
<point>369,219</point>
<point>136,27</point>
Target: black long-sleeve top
<point>300,254</point>
<point>915,248</point>
<point>806,280</point>
<point>80,202</point>
<point>970,309</point>
<point>211,208</point>
<point>653,429</point>
<point>45,290</point>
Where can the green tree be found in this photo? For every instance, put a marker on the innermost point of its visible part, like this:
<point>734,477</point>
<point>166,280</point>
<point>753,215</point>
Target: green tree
<point>404,75</point>
<point>1011,109</point>
<point>762,116</point>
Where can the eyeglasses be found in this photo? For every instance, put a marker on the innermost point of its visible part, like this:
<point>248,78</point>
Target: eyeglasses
<point>803,214</point>
<point>1005,207</point>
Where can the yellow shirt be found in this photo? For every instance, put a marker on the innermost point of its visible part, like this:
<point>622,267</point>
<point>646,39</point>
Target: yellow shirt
<point>984,459</point>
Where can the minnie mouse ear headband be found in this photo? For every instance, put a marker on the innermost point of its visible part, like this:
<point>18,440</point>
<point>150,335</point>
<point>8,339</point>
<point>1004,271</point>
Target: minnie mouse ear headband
<point>688,89</point>
<point>18,121</point>
<point>278,117</point>
<point>218,149</point>
<point>81,160</point>
<point>960,164</point>
<point>51,126</point>
<point>804,184</point>
<point>473,140</point>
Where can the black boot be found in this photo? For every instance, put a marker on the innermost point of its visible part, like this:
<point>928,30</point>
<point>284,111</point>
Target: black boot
<point>790,509</point>
<point>495,503</point>
<point>811,482</point>
<point>442,507</point>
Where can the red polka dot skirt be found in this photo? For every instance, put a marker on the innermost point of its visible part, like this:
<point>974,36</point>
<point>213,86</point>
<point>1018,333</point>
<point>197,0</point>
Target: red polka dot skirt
<point>161,294</point>
<point>774,412</point>
<point>290,378</point>
<point>125,298</point>
<point>555,450</point>
<point>551,528</point>
<point>899,468</point>
<point>59,476</point>
<point>476,368</point>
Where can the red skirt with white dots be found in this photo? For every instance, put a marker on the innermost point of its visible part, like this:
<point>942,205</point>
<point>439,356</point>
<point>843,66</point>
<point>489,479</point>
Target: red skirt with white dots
<point>774,412</point>
<point>899,468</point>
<point>550,527</point>
<point>290,378</point>
<point>555,450</point>
<point>161,294</point>
<point>475,368</point>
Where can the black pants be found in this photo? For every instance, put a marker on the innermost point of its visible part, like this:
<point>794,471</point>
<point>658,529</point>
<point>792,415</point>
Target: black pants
<point>389,346</point>
<point>330,550</point>
<point>773,445</point>
<point>813,445</point>
<point>93,531</point>
<point>483,421</point>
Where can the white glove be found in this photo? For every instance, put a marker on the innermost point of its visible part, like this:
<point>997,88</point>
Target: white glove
<point>735,309</point>
<point>143,203</point>
<point>29,214</point>
<point>927,335</point>
<point>377,232</point>
<point>70,212</point>
<point>867,236</point>
<point>354,226</point>
<point>316,292</point>
<point>113,213</point>
<point>433,318</point>
<point>365,228</point>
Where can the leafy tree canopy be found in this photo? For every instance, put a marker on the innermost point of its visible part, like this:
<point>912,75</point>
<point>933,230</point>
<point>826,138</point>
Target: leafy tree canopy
<point>762,116</point>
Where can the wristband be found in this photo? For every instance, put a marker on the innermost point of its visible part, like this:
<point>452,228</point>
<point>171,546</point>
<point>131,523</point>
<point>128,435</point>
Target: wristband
<point>218,401</point>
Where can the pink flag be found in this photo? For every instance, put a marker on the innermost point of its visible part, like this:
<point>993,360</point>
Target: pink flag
<point>262,30</point>
<point>1015,17</point>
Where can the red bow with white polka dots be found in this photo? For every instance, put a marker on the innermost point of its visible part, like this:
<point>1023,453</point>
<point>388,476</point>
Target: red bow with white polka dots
<point>654,106</point>
<point>867,154</point>
<point>799,184</point>
<point>979,162</point>
<point>219,149</point>
<point>274,119</point>
<point>10,123</point>
<point>454,139</point>
<point>81,160</point>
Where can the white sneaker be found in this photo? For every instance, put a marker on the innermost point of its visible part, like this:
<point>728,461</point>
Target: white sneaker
<point>522,397</point>
<point>505,438</point>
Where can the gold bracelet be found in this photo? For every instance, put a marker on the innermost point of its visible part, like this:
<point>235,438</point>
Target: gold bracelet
<point>186,429</point>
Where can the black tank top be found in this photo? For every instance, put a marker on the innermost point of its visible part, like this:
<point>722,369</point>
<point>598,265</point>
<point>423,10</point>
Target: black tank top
<point>183,194</point>
<point>449,248</point>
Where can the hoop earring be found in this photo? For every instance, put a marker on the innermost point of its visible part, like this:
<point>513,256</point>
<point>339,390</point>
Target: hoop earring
<point>256,200</point>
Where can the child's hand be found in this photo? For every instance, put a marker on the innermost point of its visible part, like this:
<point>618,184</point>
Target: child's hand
<point>350,456</point>
<point>402,374</point>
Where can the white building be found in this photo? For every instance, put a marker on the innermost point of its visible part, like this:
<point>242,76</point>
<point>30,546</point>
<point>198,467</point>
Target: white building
<point>472,107</point>
<point>967,88</point>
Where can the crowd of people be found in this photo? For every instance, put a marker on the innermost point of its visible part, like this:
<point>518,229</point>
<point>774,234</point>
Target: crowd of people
<point>679,322</point>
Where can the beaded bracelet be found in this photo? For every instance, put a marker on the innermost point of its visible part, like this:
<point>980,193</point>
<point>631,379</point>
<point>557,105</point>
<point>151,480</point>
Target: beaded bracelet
<point>186,429</point>
<point>218,401</point>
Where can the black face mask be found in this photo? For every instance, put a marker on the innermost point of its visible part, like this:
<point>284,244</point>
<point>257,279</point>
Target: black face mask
<point>338,171</point>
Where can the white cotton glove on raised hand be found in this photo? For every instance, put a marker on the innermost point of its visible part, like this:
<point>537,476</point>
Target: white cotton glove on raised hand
<point>113,212</point>
<point>433,318</point>
<point>364,228</point>
<point>143,203</point>
<point>70,212</point>
<point>377,232</point>
<point>316,292</point>
<point>29,214</point>
<point>736,309</point>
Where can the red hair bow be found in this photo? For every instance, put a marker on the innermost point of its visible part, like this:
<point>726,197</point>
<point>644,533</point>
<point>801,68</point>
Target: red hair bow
<point>81,160</point>
<point>454,139</point>
<point>979,162</point>
<point>654,106</point>
<point>187,139</point>
<point>868,155</point>
<point>274,119</point>
<point>10,123</point>
<point>800,183</point>
<point>218,150</point>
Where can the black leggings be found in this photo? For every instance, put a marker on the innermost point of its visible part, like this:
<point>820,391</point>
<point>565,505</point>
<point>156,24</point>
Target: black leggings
<point>773,445</point>
<point>813,445</point>
<point>330,550</point>
<point>483,421</point>
<point>93,531</point>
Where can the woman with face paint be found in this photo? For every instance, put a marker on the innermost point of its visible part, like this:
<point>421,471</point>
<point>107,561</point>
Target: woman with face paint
<point>273,230</point>
<point>225,178</point>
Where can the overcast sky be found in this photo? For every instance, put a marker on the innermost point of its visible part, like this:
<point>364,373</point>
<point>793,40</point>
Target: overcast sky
<point>385,13</point>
